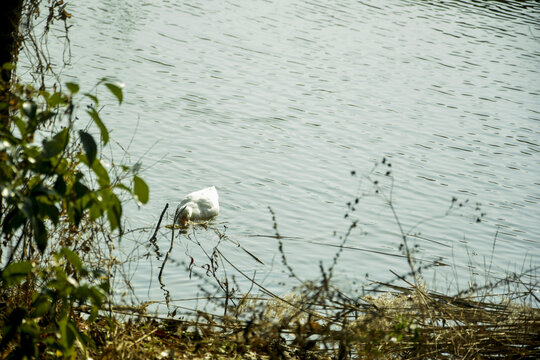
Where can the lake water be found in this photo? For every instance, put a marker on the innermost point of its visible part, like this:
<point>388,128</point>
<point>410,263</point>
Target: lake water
<point>276,102</point>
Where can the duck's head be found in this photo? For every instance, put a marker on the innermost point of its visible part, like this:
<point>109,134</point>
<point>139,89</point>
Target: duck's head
<point>184,215</point>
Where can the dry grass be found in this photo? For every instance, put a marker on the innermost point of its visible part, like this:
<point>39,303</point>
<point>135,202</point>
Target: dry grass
<point>415,324</point>
<point>320,323</point>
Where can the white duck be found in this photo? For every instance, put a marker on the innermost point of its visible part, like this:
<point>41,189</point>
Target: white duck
<point>198,206</point>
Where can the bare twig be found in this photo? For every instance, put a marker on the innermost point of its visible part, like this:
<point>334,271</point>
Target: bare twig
<point>170,248</point>
<point>153,238</point>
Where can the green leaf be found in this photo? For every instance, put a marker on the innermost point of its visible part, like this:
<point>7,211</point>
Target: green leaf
<point>73,88</point>
<point>28,207</point>
<point>39,189</point>
<point>102,174</point>
<point>76,215</point>
<point>89,146</point>
<point>55,99</point>
<point>50,210</point>
<point>71,336</point>
<point>62,323</point>
<point>8,66</point>
<point>123,187</point>
<point>13,220</point>
<point>94,98</point>
<point>13,326</point>
<point>40,234</point>
<point>60,185</point>
<point>95,211</point>
<point>104,132</point>
<point>114,211</point>
<point>83,293</point>
<point>140,189</point>
<point>16,272</point>
<point>86,201</point>
<point>73,258</point>
<point>21,125</point>
<point>116,90</point>
<point>56,145</point>
<point>80,189</point>
<point>99,293</point>
<point>41,306</point>
<point>97,296</point>
<point>30,109</point>
<point>44,116</point>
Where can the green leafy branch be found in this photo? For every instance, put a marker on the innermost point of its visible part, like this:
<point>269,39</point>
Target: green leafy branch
<point>44,182</point>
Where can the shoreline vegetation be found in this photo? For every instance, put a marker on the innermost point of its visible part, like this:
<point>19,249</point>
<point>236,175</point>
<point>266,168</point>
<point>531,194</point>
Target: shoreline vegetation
<point>61,224</point>
<point>401,323</point>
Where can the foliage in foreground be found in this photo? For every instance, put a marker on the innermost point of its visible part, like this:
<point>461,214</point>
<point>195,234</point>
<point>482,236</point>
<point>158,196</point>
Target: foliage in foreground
<point>53,196</point>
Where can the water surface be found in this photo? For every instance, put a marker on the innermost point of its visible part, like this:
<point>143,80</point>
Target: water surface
<point>276,102</point>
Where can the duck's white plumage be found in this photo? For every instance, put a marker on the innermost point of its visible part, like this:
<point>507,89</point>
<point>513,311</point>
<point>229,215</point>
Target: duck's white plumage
<point>198,206</point>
